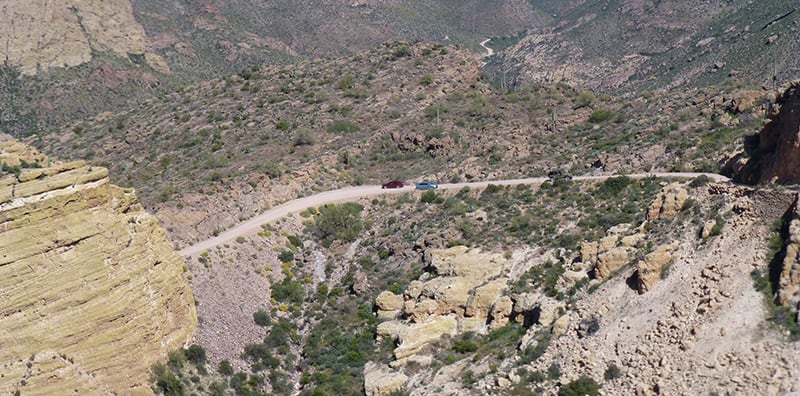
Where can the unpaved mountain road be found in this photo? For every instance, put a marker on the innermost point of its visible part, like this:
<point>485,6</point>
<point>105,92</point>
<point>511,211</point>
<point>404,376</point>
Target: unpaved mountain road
<point>352,193</point>
<point>489,51</point>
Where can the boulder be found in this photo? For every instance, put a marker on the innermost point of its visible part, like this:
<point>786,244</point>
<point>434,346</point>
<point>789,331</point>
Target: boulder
<point>482,299</point>
<point>360,283</point>
<point>668,202</point>
<point>708,228</point>
<point>381,380</point>
<point>651,269</point>
<point>501,310</point>
<point>589,252</point>
<point>388,301</point>
<point>560,326</point>
<point>417,335</point>
<point>611,261</point>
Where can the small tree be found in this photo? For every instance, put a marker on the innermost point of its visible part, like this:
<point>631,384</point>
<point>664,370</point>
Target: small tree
<point>338,222</point>
<point>261,317</point>
<point>583,386</point>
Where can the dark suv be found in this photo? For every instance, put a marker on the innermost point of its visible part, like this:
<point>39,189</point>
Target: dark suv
<point>558,174</point>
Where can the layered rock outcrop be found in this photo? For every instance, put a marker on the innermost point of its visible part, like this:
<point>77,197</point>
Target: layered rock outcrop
<point>93,292</point>
<point>668,202</point>
<point>653,267</point>
<point>39,35</point>
<point>612,252</point>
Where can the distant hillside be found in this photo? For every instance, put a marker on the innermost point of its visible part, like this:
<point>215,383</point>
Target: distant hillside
<point>635,45</point>
<point>83,58</point>
<point>400,111</point>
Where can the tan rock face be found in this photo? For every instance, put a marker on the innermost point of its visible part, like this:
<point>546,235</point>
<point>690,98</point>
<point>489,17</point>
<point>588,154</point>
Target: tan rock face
<point>92,290</point>
<point>39,35</point>
<point>650,269</point>
<point>789,282</point>
<point>380,380</point>
<point>668,202</point>
<point>611,261</point>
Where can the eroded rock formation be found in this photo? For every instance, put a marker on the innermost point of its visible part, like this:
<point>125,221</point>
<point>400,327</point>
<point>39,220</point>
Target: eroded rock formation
<point>775,151</point>
<point>39,35</point>
<point>789,282</point>
<point>93,292</point>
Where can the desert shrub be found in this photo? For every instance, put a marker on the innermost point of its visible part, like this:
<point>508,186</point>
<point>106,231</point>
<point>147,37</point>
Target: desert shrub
<point>426,79</point>
<point>612,372</point>
<point>401,50</point>
<point>583,386</point>
<point>286,256</point>
<point>346,82</point>
<point>700,181</point>
<point>261,357</point>
<point>165,381</point>
<point>584,99</point>
<point>225,368</point>
<point>288,290</point>
<point>176,359</point>
<point>601,115</point>
<point>343,126</point>
<point>338,222</point>
<point>304,137</point>
<point>261,318</point>
<point>435,112</point>
<point>196,354</point>
<point>295,240</point>
<point>429,197</point>
<point>554,371</point>
<point>465,344</point>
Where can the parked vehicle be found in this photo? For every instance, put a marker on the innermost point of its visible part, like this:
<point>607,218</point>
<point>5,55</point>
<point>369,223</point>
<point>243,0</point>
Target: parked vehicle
<point>558,174</point>
<point>393,184</point>
<point>427,185</point>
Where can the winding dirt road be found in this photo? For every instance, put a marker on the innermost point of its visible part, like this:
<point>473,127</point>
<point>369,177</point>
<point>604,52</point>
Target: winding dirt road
<point>352,193</point>
<point>489,51</point>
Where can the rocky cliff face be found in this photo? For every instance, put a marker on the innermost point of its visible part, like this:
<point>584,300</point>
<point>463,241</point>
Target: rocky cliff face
<point>775,152</point>
<point>42,34</point>
<point>789,281</point>
<point>92,290</point>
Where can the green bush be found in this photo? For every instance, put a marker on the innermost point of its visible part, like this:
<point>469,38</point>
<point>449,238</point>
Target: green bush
<point>225,368</point>
<point>295,241</point>
<point>428,197</point>
<point>286,256</point>
<point>196,355</point>
<point>612,372</point>
<point>583,386</point>
<point>343,126</point>
<point>261,318</point>
<point>304,137</point>
<point>289,291</point>
<point>601,115</point>
<point>338,222</point>
<point>165,381</point>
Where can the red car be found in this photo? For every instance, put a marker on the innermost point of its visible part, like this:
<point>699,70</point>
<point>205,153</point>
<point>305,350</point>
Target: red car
<point>393,184</point>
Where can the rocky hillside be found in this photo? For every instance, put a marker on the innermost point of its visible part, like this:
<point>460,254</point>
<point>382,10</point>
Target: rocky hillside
<point>230,147</point>
<point>80,58</point>
<point>93,292</point>
<point>631,45</point>
<point>39,37</point>
<point>625,312</point>
<point>654,285</point>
